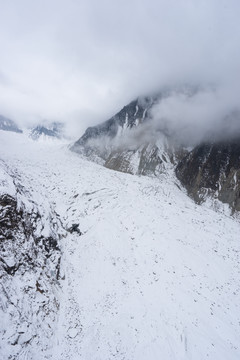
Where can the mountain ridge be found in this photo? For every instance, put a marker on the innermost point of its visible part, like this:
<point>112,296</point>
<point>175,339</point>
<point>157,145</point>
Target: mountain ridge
<point>128,142</point>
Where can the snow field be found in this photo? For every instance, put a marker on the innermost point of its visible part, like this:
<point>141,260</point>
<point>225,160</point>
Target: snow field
<point>154,276</point>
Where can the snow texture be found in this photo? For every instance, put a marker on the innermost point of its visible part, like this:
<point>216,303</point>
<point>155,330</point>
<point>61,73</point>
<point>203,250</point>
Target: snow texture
<point>154,276</point>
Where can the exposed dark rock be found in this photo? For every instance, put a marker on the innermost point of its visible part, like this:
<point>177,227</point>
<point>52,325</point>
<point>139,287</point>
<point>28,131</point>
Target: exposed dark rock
<point>19,227</point>
<point>209,169</point>
<point>75,228</point>
<point>27,259</point>
<point>128,117</point>
<point>12,219</point>
<point>135,113</point>
<point>147,160</point>
<point>132,156</point>
<point>212,169</point>
<point>11,270</point>
<point>50,244</point>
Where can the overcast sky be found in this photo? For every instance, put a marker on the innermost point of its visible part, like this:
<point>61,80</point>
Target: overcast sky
<point>80,61</point>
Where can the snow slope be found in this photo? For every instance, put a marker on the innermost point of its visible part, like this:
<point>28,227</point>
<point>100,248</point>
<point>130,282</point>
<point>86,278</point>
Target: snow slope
<point>154,276</point>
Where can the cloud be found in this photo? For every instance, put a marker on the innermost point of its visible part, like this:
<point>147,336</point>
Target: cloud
<point>194,115</point>
<point>80,61</point>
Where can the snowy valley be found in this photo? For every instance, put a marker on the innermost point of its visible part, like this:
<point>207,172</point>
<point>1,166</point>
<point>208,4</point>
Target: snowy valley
<point>153,275</point>
<point>119,180</point>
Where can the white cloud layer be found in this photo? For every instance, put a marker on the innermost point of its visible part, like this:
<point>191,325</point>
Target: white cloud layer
<point>79,61</point>
<point>194,116</point>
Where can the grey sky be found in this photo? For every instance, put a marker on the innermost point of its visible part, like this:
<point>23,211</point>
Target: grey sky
<point>79,61</point>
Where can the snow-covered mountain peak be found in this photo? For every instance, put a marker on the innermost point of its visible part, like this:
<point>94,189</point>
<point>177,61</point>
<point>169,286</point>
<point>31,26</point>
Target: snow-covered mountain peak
<point>47,131</point>
<point>141,140</point>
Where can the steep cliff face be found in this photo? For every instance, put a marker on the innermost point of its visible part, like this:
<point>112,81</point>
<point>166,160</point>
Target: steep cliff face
<point>130,116</point>
<point>149,159</point>
<point>212,169</point>
<point>132,142</point>
<point>127,143</point>
<point>146,160</point>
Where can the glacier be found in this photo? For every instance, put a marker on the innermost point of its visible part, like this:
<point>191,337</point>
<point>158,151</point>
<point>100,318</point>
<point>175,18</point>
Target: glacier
<point>153,275</point>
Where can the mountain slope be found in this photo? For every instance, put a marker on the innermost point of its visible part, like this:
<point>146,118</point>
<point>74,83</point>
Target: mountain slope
<point>153,275</point>
<point>8,125</point>
<point>130,116</point>
<point>127,143</point>
<point>213,169</point>
<point>29,268</point>
<point>132,142</point>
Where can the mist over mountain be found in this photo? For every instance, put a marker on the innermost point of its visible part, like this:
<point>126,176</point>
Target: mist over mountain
<point>119,180</point>
<point>79,62</point>
<point>205,114</point>
<point>8,125</point>
<point>187,115</point>
<point>187,131</point>
<point>52,130</point>
<point>92,255</point>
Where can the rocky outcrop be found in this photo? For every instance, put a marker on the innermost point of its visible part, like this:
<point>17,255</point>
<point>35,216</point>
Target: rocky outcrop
<point>30,271</point>
<point>149,159</point>
<point>212,169</point>
<point>130,116</point>
<point>121,143</point>
<point>144,161</point>
<point>129,143</point>
<point>100,141</point>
